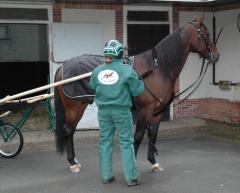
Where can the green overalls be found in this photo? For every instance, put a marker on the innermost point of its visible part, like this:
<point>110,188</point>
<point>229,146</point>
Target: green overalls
<point>114,84</point>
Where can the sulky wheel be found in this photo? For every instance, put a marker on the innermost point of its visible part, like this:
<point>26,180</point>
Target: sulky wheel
<point>11,141</point>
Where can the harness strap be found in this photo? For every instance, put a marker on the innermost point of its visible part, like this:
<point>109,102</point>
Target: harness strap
<point>164,106</point>
<point>154,53</point>
<point>154,56</point>
<point>147,87</point>
<point>146,74</point>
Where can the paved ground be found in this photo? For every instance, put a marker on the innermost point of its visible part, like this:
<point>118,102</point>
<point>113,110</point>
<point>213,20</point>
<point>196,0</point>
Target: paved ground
<point>42,140</point>
<point>192,165</point>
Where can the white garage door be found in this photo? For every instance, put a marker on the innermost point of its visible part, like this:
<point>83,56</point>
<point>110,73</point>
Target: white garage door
<point>74,39</point>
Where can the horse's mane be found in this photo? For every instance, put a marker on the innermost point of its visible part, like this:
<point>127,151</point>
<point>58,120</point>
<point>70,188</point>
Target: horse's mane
<point>169,52</point>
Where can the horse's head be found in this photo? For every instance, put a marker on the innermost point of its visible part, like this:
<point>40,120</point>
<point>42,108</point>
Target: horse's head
<point>201,41</point>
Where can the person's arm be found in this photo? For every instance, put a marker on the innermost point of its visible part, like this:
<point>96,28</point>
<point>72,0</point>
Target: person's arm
<point>92,83</point>
<point>136,86</point>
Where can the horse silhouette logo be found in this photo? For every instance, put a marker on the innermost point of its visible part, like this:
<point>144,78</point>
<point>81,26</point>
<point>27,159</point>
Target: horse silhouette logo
<point>108,77</point>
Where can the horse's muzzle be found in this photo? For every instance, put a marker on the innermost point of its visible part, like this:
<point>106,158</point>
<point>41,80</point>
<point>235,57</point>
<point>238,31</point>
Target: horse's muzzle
<point>213,57</point>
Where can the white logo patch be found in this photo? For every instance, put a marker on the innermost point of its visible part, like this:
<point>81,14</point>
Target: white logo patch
<point>108,77</point>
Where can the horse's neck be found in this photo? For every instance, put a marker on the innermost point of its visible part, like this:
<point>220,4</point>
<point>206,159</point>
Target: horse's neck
<point>182,61</point>
<point>172,55</point>
<point>186,38</point>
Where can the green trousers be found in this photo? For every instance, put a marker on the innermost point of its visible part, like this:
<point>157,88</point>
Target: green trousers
<point>110,119</point>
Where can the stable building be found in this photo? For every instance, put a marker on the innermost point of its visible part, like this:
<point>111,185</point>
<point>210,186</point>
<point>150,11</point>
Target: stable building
<point>36,37</point>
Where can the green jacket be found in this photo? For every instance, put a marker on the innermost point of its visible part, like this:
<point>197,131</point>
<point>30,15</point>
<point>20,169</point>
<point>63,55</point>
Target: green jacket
<point>115,83</point>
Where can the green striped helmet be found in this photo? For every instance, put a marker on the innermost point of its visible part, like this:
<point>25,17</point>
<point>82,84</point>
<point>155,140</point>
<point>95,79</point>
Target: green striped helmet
<point>113,48</point>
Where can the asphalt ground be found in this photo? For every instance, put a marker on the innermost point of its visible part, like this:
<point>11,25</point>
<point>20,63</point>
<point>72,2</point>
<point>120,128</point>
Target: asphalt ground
<point>192,164</point>
<point>44,139</point>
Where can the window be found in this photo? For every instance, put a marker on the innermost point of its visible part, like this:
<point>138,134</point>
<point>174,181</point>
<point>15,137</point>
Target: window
<point>4,33</point>
<point>161,16</point>
<point>24,13</point>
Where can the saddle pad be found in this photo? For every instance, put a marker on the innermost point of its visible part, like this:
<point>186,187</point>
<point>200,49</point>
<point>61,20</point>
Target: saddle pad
<point>76,66</point>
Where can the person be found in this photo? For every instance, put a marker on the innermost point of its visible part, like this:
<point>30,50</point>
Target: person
<point>114,84</point>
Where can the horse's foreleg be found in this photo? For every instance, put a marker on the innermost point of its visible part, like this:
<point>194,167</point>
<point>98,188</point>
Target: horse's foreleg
<point>152,131</point>
<point>139,134</point>
<point>74,165</point>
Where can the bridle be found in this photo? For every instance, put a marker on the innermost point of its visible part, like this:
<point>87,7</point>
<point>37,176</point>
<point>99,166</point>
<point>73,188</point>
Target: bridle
<point>203,35</point>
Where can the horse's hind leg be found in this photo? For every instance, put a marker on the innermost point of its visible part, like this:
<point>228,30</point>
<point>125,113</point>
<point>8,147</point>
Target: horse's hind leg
<point>152,131</point>
<point>72,118</point>
<point>69,132</point>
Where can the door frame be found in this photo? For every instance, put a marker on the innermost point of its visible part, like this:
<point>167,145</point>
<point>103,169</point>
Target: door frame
<point>48,22</point>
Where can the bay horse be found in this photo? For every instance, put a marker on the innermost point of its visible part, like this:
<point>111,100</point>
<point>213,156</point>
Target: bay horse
<point>159,68</point>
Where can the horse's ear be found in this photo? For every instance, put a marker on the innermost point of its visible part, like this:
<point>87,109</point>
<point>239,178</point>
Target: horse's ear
<point>198,19</point>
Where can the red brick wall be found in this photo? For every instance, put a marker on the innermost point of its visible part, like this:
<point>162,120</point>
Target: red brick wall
<point>209,108</point>
<point>57,14</point>
<point>222,110</point>
<point>119,25</point>
<point>118,13</point>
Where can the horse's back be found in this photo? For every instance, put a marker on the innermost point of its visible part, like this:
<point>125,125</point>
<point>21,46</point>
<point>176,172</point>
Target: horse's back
<point>80,65</point>
<point>76,66</point>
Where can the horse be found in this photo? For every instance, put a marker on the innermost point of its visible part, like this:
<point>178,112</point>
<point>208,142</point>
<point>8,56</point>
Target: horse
<point>159,68</point>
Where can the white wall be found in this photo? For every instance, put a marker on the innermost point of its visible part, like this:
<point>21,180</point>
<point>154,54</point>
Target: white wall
<point>105,17</point>
<point>227,68</point>
<point>26,43</point>
<point>74,39</point>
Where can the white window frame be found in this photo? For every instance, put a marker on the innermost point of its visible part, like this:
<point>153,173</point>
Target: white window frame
<point>48,22</point>
<point>144,8</point>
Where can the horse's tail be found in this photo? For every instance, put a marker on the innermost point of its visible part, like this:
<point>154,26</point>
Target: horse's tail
<point>60,120</point>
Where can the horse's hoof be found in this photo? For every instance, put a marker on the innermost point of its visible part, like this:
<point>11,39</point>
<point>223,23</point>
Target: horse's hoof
<point>75,168</point>
<point>79,165</point>
<point>76,163</point>
<point>157,168</point>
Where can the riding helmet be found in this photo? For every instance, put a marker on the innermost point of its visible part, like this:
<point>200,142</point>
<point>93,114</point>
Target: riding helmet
<point>113,48</point>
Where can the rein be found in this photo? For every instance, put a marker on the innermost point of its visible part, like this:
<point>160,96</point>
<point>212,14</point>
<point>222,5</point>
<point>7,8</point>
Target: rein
<point>199,76</point>
<point>199,80</point>
<point>165,105</point>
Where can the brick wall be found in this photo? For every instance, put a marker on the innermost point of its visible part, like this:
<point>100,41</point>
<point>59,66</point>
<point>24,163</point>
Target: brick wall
<point>209,108</point>
<point>57,14</point>
<point>222,110</point>
<point>119,25</point>
<point>118,13</point>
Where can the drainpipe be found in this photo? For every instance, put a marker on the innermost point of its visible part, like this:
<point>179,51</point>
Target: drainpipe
<point>214,63</point>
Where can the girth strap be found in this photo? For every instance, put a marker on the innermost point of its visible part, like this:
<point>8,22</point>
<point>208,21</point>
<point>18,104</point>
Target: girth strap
<point>164,106</point>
